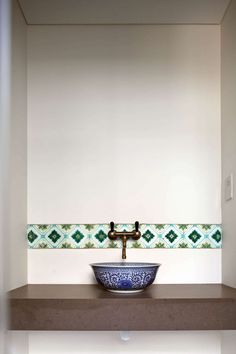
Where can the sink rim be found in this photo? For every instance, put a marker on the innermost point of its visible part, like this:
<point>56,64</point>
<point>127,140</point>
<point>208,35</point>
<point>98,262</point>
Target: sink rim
<point>125,264</point>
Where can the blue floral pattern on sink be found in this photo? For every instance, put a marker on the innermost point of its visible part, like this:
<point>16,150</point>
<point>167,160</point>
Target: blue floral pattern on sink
<point>125,276</point>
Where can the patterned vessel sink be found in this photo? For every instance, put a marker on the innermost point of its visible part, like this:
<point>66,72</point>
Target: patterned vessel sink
<point>125,277</point>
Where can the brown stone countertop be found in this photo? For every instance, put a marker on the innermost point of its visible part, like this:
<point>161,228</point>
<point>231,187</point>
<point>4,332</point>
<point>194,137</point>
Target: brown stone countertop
<point>89,307</point>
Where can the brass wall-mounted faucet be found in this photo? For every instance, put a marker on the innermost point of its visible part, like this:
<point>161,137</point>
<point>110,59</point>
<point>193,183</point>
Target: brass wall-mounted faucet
<point>124,235</point>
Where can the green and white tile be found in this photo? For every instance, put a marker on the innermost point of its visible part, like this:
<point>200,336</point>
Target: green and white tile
<point>77,236</point>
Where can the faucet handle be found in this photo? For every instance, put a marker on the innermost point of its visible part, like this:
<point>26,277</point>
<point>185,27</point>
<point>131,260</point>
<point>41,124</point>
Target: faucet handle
<point>137,233</point>
<point>112,233</point>
<point>112,225</point>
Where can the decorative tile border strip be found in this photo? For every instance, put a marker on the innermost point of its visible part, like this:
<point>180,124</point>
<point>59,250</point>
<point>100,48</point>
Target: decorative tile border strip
<point>95,236</point>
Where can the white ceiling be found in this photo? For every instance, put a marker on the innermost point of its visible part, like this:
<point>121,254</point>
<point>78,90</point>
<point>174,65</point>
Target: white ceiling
<point>123,11</point>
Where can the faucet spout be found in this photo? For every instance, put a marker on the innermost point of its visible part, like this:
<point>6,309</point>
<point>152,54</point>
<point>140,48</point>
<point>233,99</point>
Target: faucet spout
<point>124,243</point>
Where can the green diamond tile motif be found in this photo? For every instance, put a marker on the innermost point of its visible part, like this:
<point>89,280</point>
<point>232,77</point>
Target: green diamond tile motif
<point>77,236</point>
<point>54,236</point>
<point>194,236</point>
<point>171,236</point>
<point>148,236</point>
<point>101,236</point>
<point>162,236</point>
<point>32,236</point>
<point>217,236</point>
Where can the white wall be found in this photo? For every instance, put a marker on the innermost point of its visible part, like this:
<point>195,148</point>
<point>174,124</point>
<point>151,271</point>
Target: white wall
<point>178,266</point>
<point>228,77</point>
<point>18,152</point>
<point>140,342</point>
<point>124,124</point>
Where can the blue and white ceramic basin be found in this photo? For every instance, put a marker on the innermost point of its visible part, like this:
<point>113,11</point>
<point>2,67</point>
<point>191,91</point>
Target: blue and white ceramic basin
<point>125,277</point>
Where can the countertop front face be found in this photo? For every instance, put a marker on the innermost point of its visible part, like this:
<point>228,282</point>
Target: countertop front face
<point>89,307</point>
